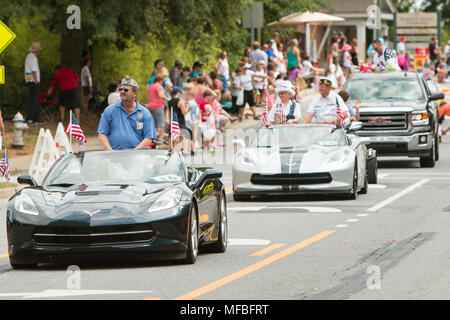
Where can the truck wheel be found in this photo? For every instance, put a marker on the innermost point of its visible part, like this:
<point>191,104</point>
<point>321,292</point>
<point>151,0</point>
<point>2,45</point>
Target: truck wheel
<point>428,162</point>
<point>436,148</point>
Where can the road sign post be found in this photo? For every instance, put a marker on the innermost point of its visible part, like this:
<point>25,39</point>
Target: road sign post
<point>253,18</point>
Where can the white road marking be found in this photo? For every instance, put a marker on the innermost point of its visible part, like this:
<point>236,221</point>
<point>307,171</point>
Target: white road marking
<point>54,293</point>
<point>362,215</point>
<point>248,242</point>
<point>352,220</point>
<point>341,225</point>
<point>398,195</point>
<point>377,186</point>
<point>382,175</point>
<point>309,209</point>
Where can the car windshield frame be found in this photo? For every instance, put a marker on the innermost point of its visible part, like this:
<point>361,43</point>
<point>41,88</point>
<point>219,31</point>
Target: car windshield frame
<point>115,168</point>
<point>286,137</point>
<point>381,89</point>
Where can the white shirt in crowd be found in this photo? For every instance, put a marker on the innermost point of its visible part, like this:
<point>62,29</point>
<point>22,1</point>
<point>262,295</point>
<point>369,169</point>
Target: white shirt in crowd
<point>85,72</point>
<point>113,98</point>
<point>286,108</point>
<point>325,109</point>
<point>259,82</point>
<point>31,64</point>
<point>236,84</point>
<point>306,70</point>
<point>224,68</point>
<point>401,48</point>
<point>247,80</point>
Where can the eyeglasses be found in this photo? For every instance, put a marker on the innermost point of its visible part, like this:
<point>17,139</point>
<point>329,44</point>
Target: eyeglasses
<point>124,89</point>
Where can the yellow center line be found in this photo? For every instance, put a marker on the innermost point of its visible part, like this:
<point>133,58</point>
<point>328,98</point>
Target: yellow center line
<point>4,255</point>
<point>268,249</point>
<point>254,267</point>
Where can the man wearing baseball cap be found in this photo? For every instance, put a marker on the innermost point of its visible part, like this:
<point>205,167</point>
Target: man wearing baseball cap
<point>126,124</point>
<point>33,79</point>
<point>323,108</point>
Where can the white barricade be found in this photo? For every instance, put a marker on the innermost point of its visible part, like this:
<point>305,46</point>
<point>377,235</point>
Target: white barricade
<point>44,156</point>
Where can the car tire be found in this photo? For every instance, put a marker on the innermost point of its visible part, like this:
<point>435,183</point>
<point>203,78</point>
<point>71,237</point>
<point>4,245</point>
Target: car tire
<point>429,162</point>
<point>436,148</point>
<point>354,192</point>
<point>192,250</point>
<point>16,265</point>
<point>241,197</point>
<point>372,170</point>
<point>366,185</point>
<point>222,239</point>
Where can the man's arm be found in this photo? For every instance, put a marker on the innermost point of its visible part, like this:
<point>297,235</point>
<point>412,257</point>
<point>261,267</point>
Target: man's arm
<point>144,144</point>
<point>308,117</point>
<point>104,142</point>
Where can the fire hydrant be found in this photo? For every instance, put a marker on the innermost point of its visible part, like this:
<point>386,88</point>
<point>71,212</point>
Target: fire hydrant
<point>19,127</point>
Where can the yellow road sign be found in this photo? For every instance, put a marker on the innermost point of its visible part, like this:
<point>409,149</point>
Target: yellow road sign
<point>6,36</point>
<point>2,74</point>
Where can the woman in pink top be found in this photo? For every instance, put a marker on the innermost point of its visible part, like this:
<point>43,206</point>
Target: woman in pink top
<point>157,99</point>
<point>200,89</point>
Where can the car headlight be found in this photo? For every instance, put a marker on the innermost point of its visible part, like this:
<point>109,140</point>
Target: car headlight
<point>420,119</point>
<point>246,158</point>
<point>24,204</point>
<point>340,156</point>
<point>167,200</point>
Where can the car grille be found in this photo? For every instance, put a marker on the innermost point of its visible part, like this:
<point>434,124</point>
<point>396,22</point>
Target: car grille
<point>384,121</point>
<point>290,179</point>
<point>93,235</point>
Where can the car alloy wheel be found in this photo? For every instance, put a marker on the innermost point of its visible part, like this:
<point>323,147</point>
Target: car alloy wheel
<point>192,251</point>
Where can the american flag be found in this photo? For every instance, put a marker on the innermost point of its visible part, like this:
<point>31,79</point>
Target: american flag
<point>265,113</point>
<point>73,128</point>
<point>4,166</point>
<point>280,113</point>
<point>340,115</point>
<point>174,126</point>
<point>80,146</point>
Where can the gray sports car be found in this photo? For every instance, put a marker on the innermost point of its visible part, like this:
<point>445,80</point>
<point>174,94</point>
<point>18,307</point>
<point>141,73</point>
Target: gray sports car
<point>303,159</point>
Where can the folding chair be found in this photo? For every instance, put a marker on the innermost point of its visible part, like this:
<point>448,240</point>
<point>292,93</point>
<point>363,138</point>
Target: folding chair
<point>47,105</point>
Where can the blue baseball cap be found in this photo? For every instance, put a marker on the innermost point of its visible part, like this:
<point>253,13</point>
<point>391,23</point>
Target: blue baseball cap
<point>177,89</point>
<point>127,81</point>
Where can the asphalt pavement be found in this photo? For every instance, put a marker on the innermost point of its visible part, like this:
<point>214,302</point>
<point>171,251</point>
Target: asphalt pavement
<point>391,243</point>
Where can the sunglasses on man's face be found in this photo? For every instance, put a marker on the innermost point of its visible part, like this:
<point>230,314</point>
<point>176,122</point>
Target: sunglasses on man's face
<point>124,89</point>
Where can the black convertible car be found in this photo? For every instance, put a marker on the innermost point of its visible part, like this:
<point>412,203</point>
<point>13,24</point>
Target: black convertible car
<point>99,205</point>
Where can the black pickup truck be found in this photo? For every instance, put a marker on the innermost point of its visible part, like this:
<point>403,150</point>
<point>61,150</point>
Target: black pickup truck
<point>398,113</point>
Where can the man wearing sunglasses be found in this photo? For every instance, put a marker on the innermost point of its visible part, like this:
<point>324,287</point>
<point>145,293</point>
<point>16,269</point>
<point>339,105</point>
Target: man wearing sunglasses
<point>323,108</point>
<point>126,124</point>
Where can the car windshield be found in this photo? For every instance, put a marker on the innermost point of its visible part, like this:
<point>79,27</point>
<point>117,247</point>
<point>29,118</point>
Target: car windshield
<point>384,88</point>
<point>299,136</point>
<point>115,168</point>
<point>433,86</point>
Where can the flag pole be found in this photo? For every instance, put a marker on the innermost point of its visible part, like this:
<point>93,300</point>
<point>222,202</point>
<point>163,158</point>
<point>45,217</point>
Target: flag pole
<point>171,135</point>
<point>70,127</point>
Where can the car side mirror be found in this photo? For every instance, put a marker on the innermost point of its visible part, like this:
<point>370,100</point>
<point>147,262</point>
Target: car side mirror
<point>209,174</point>
<point>26,179</point>
<point>192,174</point>
<point>355,126</point>
<point>436,96</point>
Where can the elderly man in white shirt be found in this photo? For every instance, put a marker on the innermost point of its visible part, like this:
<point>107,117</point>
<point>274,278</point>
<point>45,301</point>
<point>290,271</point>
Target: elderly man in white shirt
<point>33,79</point>
<point>324,107</point>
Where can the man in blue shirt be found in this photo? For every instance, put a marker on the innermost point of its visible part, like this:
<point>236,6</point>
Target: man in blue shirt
<point>126,124</point>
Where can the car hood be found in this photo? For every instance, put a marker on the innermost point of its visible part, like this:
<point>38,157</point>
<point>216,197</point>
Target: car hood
<point>394,106</point>
<point>131,194</point>
<point>298,160</point>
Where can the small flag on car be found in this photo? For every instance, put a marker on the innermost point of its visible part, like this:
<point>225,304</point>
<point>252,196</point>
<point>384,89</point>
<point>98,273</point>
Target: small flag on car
<point>174,127</point>
<point>73,128</point>
<point>4,166</point>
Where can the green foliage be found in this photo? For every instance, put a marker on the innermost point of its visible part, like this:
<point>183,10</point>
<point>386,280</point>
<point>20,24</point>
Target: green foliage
<point>27,30</point>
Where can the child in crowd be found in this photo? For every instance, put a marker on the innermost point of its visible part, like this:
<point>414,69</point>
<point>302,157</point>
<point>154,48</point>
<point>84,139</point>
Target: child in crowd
<point>207,116</point>
<point>183,78</point>
<point>354,111</point>
<point>259,80</point>
<point>193,115</point>
<point>237,93</point>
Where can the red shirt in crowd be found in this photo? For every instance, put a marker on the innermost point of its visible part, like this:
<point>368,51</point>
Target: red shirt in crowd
<point>65,78</point>
<point>206,109</point>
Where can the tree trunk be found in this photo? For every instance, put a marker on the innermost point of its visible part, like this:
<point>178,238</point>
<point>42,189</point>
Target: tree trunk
<point>71,49</point>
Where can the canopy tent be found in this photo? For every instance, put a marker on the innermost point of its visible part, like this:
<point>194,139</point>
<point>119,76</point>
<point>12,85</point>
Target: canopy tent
<point>307,18</point>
